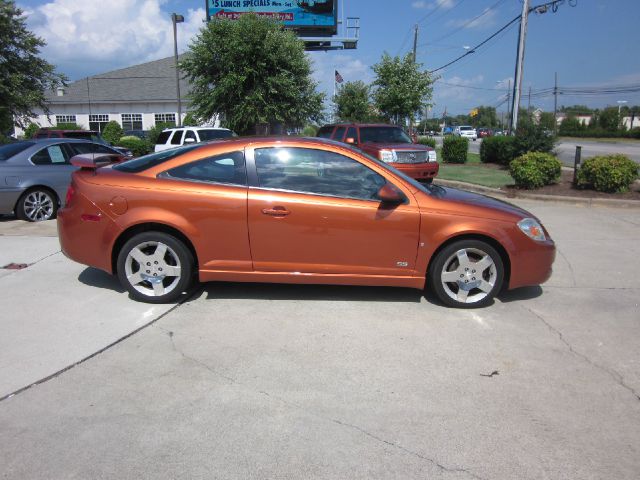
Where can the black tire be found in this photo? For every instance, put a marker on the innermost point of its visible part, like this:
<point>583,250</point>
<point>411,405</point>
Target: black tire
<point>37,205</point>
<point>163,278</point>
<point>468,287</point>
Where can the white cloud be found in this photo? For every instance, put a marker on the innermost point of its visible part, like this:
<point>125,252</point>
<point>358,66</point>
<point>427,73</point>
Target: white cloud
<point>108,35</point>
<point>453,88</point>
<point>419,4</point>
<point>444,4</point>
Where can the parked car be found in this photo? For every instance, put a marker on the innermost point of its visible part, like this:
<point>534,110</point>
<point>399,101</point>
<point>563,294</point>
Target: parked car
<point>141,134</point>
<point>36,174</point>
<point>485,132</point>
<point>176,137</point>
<point>388,143</point>
<point>294,210</point>
<point>92,135</point>
<point>467,132</point>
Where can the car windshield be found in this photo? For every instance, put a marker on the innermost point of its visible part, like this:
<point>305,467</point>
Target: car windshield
<point>383,135</point>
<point>143,163</point>
<point>11,149</point>
<point>465,129</point>
<point>214,134</point>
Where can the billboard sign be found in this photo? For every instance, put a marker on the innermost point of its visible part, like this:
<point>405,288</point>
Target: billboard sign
<point>317,17</point>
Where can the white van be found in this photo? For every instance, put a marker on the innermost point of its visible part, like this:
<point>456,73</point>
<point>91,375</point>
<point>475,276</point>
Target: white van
<point>175,137</point>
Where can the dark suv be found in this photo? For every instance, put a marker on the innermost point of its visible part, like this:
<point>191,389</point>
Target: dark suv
<point>388,143</point>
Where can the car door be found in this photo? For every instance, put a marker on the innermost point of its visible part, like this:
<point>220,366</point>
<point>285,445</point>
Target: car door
<point>316,211</point>
<point>52,168</point>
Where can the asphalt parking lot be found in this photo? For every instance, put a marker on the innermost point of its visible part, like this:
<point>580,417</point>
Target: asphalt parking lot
<point>286,381</point>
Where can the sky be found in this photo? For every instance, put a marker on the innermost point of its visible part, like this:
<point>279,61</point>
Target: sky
<point>592,44</point>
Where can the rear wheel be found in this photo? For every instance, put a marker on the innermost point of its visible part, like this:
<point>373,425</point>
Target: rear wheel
<point>467,274</point>
<point>155,267</point>
<point>37,205</point>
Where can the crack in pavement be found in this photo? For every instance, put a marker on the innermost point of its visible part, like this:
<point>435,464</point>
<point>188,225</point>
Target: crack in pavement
<point>573,275</point>
<point>441,467</point>
<point>617,377</point>
<point>622,289</point>
<point>29,265</point>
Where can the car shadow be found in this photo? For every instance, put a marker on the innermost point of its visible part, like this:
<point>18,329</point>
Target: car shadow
<point>337,293</point>
<point>97,278</point>
<point>524,293</point>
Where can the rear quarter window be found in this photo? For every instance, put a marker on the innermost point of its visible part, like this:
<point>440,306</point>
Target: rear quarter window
<point>325,132</point>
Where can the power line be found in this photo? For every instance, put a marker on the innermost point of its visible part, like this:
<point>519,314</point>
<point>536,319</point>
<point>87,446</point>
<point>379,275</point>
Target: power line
<point>473,49</point>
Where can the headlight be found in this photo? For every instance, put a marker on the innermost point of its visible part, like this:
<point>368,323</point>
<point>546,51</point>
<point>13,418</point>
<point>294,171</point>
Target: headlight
<point>388,156</point>
<point>532,229</point>
<point>432,156</point>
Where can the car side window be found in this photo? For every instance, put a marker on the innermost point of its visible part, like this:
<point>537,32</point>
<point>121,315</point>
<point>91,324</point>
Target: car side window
<point>325,132</point>
<point>177,137</point>
<point>339,134</point>
<point>227,168</point>
<point>352,133</point>
<point>163,138</point>
<point>190,134</point>
<point>316,171</point>
<point>51,155</point>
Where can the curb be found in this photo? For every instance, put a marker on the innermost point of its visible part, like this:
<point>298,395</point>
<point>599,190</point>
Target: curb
<point>600,202</point>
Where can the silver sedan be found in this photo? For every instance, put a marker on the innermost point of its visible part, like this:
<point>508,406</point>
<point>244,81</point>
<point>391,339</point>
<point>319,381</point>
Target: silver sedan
<point>35,174</point>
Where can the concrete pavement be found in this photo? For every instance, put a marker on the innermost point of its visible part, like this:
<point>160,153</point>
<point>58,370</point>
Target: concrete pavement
<point>276,381</point>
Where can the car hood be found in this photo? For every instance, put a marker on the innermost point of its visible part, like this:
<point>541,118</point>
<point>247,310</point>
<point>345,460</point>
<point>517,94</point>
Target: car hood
<point>475,204</point>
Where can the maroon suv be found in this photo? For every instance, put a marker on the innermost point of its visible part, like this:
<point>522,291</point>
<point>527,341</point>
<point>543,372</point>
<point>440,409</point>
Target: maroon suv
<point>388,143</point>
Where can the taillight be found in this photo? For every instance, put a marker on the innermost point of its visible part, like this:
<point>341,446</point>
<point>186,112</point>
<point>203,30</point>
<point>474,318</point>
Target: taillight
<point>70,194</point>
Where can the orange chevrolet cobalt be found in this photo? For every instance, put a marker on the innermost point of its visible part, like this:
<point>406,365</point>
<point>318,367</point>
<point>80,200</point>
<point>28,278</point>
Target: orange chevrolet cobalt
<point>293,210</point>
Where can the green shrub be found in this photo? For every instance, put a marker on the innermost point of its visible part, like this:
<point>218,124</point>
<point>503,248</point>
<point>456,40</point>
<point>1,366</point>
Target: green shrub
<point>497,150</point>
<point>309,131</point>
<point>137,145</point>
<point>535,169</point>
<point>428,141</point>
<point>112,132</point>
<point>608,173</point>
<point>190,120</point>
<point>454,149</point>
<point>31,130</point>
<point>67,126</point>
<point>532,138</point>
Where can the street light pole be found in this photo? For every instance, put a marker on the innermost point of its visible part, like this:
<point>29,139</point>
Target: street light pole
<point>175,19</point>
<point>517,85</point>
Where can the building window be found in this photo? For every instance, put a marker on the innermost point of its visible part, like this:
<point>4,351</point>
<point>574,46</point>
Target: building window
<point>62,119</point>
<point>98,122</point>
<point>132,121</point>
<point>169,119</point>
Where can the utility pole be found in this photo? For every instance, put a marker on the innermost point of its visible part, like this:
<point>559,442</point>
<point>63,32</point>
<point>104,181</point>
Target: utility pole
<point>529,102</point>
<point>509,107</point>
<point>415,43</point>
<point>175,19</point>
<point>517,85</point>
<point>555,105</point>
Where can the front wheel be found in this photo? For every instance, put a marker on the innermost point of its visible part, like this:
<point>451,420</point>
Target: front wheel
<point>155,267</point>
<point>467,274</point>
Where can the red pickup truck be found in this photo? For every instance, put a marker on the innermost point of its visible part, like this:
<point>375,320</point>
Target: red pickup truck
<point>388,143</point>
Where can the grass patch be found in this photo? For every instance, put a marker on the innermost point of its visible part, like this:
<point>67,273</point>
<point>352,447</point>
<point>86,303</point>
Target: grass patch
<point>474,171</point>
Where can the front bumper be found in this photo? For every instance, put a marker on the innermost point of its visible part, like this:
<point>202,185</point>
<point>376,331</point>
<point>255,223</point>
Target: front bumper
<point>532,265</point>
<point>419,171</point>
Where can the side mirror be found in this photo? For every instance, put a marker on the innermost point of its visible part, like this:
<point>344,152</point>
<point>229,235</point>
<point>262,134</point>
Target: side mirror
<point>189,140</point>
<point>390,194</point>
<point>350,141</point>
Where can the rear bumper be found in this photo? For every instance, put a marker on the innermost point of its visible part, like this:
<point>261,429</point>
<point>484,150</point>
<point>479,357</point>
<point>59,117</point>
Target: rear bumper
<point>88,239</point>
<point>419,171</point>
<point>8,199</point>
<point>533,265</point>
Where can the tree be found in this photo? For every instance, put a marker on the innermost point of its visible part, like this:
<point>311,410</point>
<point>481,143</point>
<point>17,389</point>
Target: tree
<point>352,102</point>
<point>609,119</point>
<point>400,89</point>
<point>190,120</point>
<point>547,121</point>
<point>486,117</point>
<point>251,71</point>
<point>112,132</point>
<point>24,77</point>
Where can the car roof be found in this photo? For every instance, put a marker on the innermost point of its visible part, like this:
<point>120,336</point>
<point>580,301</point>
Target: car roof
<point>362,125</point>
<point>195,128</point>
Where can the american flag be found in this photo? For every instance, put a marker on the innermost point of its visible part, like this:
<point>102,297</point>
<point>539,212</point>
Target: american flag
<point>339,78</point>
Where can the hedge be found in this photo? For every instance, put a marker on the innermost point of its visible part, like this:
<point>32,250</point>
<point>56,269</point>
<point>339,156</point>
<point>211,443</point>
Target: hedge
<point>608,173</point>
<point>535,170</point>
<point>428,141</point>
<point>454,149</point>
<point>498,150</point>
<point>137,145</point>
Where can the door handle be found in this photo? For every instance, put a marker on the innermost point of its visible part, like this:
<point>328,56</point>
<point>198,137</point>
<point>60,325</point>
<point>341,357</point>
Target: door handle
<point>276,211</point>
